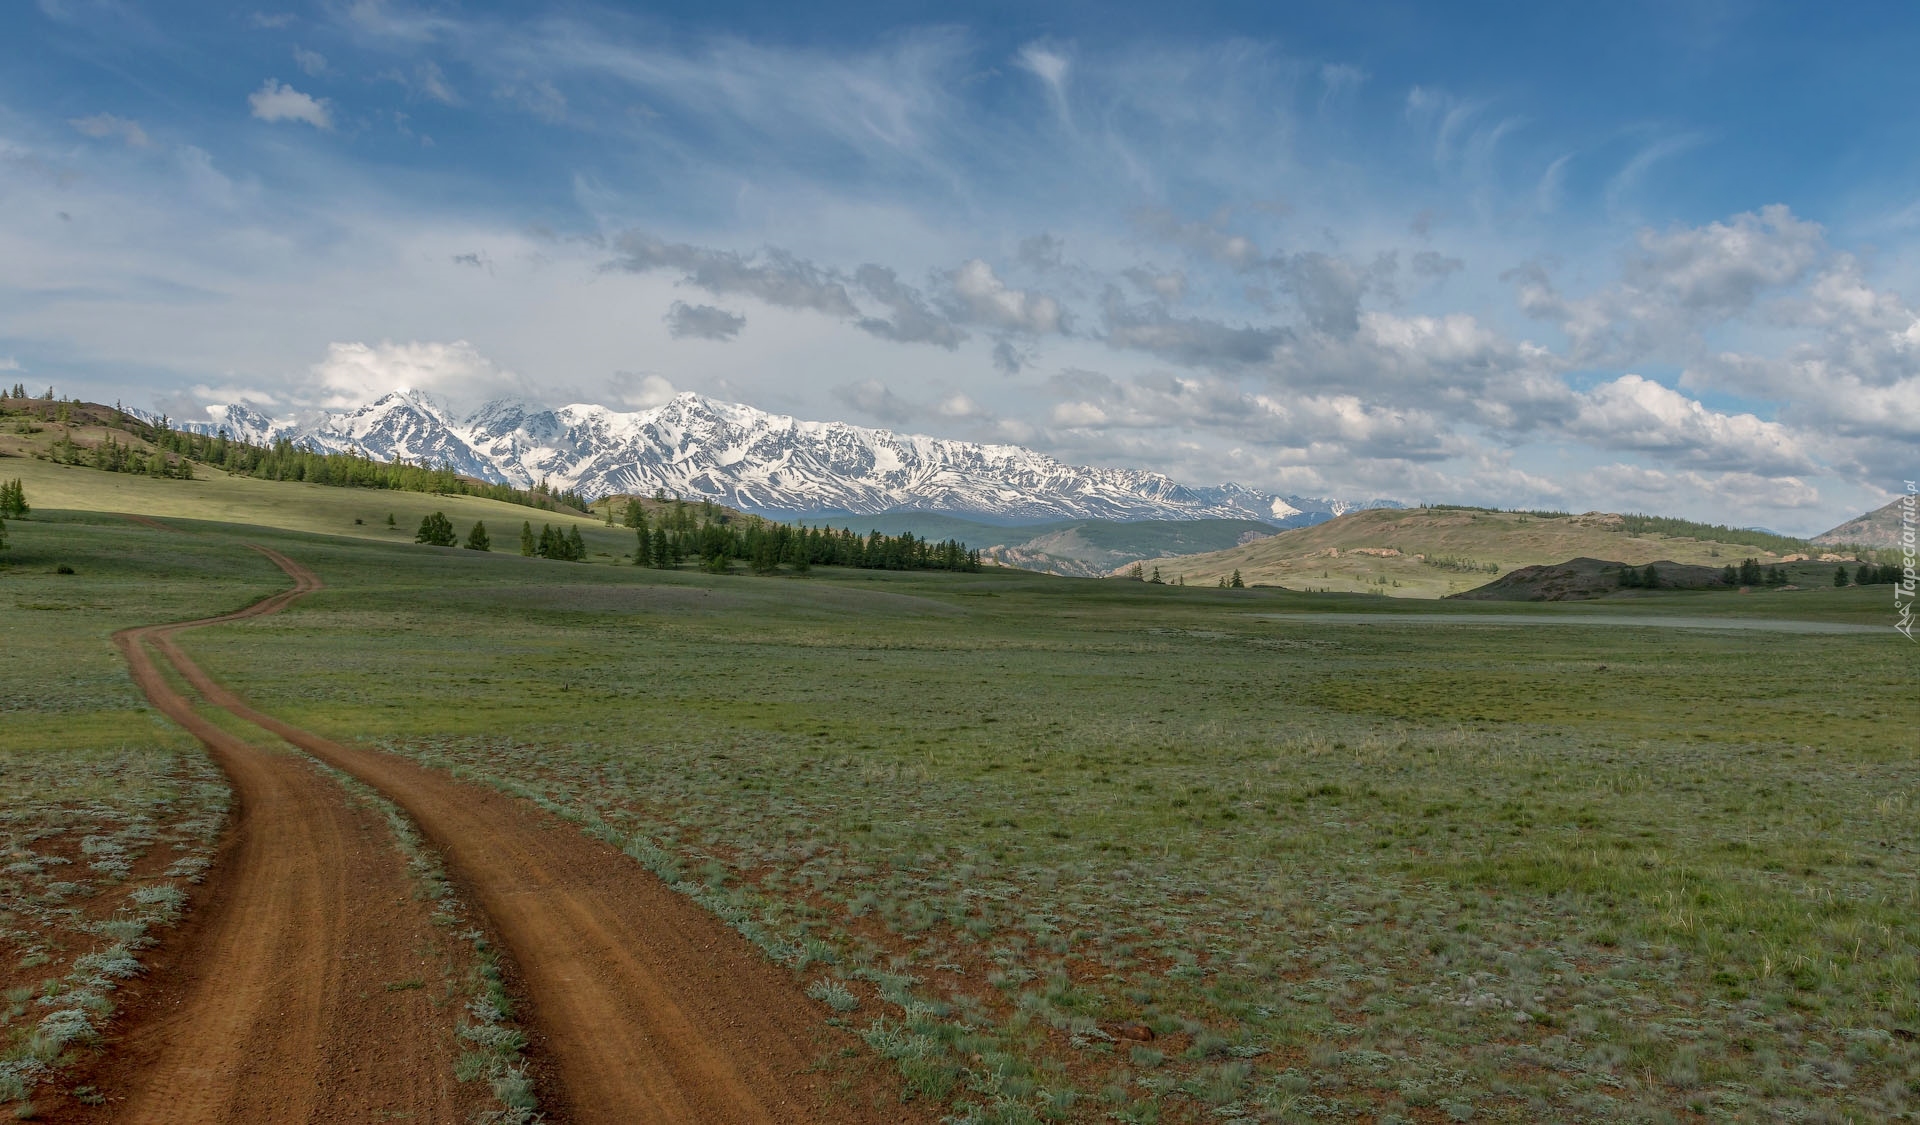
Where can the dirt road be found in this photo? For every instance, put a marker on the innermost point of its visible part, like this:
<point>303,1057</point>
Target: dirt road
<point>282,1012</point>
<point>646,1008</point>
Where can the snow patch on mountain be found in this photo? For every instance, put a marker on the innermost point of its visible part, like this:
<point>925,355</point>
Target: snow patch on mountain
<point>758,461</point>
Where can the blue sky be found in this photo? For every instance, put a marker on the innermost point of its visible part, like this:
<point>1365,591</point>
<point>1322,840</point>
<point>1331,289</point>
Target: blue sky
<point>1622,256</point>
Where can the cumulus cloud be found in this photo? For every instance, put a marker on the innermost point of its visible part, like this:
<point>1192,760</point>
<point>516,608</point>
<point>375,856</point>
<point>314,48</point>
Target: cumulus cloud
<point>981,297</point>
<point>104,125</point>
<point>909,319</point>
<point>959,406</point>
<point>276,102</point>
<point>1205,239</point>
<point>872,398</point>
<point>703,322</point>
<point>640,390</point>
<point>1191,340</point>
<point>1676,283</point>
<point>1638,414</point>
<point>352,374</point>
<point>1742,496</point>
<point>773,275</point>
<point>1855,380</point>
<point>1331,426</point>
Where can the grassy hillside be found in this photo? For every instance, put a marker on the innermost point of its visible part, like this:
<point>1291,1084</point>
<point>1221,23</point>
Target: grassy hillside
<point>1433,552</point>
<point>26,443</point>
<point>1346,858</point>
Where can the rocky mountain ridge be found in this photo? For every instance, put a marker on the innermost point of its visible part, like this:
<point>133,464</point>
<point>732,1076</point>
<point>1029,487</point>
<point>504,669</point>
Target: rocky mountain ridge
<point>759,461</point>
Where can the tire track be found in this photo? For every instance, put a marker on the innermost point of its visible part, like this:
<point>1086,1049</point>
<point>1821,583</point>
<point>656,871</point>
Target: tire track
<point>278,1011</point>
<point>649,1009</point>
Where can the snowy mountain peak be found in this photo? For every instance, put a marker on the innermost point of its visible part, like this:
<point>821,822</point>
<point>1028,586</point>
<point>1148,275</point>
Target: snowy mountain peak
<point>692,445</point>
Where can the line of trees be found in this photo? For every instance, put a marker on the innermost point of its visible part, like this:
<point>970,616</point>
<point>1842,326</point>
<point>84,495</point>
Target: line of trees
<point>1870,574</point>
<point>113,457</point>
<point>708,533</point>
<point>1751,573</point>
<point>171,450</point>
<point>567,546</point>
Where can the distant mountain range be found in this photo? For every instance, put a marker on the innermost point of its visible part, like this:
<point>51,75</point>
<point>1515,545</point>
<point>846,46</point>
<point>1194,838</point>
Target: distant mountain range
<point>760,462</point>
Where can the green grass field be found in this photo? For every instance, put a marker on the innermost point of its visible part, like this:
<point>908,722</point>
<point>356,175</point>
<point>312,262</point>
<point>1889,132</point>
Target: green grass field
<point>1373,870</point>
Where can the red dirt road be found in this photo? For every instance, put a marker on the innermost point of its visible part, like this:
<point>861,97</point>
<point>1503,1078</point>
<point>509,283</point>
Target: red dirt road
<point>280,1013</point>
<point>646,1008</point>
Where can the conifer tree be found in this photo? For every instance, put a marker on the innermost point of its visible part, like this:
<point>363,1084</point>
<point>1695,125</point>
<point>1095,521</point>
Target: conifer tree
<point>1237,584</point>
<point>3,535</point>
<point>436,530</point>
<point>477,538</point>
<point>1156,579</point>
<point>662,551</point>
<point>636,515</point>
<point>390,522</point>
<point>1839,577</point>
<point>576,547</point>
<point>526,538</point>
<point>609,511</point>
<point>13,499</point>
<point>766,560</point>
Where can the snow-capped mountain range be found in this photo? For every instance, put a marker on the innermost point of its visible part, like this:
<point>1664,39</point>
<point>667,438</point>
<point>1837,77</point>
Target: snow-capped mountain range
<point>760,462</point>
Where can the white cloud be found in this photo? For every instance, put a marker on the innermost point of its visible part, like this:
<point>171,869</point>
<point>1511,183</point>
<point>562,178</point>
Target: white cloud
<point>356,373</point>
<point>276,102</point>
<point>312,63</point>
<point>1633,413</point>
<point>1051,67</point>
<point>958,405</point>
<point>104,125</point>
<point>983,298</point>
<point>1738,498</point>
<point>636,391</point>
<point>8,363</point>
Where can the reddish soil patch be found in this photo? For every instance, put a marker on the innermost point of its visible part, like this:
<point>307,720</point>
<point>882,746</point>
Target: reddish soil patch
<point>277,1009</point>
<point>646,1007</point>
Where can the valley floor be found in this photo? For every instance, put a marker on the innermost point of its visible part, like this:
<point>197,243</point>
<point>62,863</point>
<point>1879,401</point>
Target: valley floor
<point>1048,849</point>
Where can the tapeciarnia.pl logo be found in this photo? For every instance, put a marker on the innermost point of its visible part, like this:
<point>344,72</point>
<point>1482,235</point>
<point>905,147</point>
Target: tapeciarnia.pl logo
<point>1903,590</point>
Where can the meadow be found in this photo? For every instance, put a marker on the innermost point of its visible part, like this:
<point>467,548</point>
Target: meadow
<point>1082,850</point>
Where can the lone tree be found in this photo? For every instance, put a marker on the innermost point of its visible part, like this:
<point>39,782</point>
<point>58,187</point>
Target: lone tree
<point>477,538</point>
<point>13,499</point>
<point>526,538</point>
<point>436,530</point>
<point>1236,583</point>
